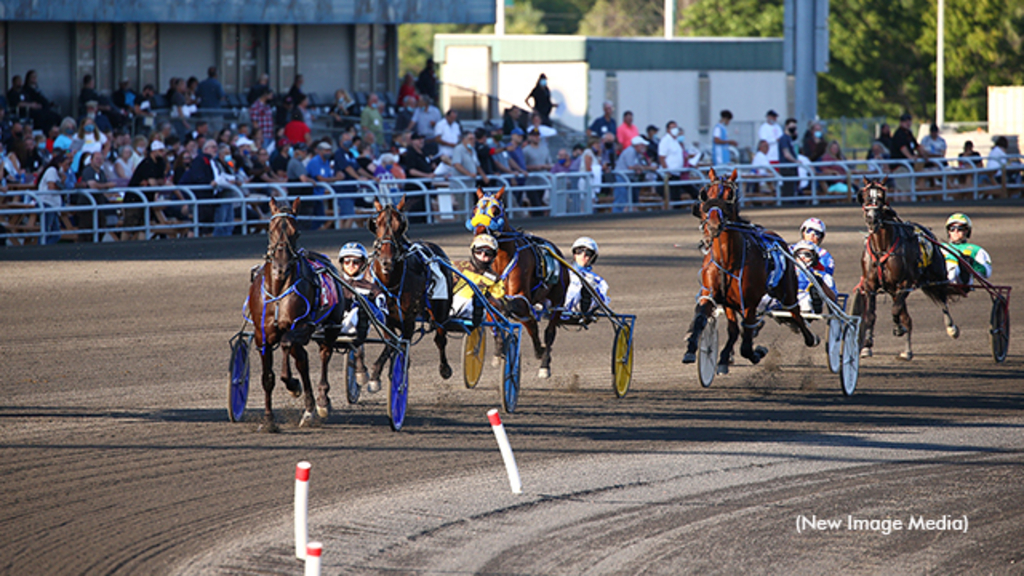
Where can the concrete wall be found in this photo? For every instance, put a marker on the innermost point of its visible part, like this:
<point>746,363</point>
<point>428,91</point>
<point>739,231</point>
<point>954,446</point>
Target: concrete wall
<point>46,48</point>
<point>567,81</point>
<point>185,50</point>
<point>325,60</point>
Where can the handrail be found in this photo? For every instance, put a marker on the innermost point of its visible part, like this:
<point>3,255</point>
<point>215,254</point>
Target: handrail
<point>568,194</point>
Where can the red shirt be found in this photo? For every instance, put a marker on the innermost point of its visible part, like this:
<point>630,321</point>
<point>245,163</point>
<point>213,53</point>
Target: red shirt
<point>295,131</point>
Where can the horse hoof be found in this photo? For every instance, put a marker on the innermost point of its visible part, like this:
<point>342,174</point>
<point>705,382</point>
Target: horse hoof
<point>544,373</point>
<point>373,386</point>
<point>815,342</point>
<point>723,369</point>
<point>495,361</point>
<point>907,356</point>
<point>307,419</point>
<point>898,331</point>
<point>322,411</point>
<point>866,353</point>
<point>953,331</point>
<point>362,377</point>
<point>446,371</point>
<point>269,427</point>
<point>293,386</point>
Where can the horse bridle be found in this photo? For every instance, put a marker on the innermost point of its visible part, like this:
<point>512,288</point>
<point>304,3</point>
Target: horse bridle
<point>286,241</point>
<point>388,239</point>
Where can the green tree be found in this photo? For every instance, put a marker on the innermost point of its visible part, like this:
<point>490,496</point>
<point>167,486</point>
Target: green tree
<point>761,18</point>
<point>624,18</point>
<point>416,41</point>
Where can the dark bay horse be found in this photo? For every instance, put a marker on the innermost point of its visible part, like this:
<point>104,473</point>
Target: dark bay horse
<point>898,258</point>
<point>414,288</point>
<point>288,299</point>
<point>735,274</point>
<point>522,265</point>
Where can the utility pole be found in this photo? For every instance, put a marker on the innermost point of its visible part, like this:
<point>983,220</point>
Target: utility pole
<point>499,18</point>
<point>940,68</point>
<point>670,18</point>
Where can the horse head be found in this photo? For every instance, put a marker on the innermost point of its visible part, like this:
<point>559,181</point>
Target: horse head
<point>872,197</point>
<point>489,213</point>
<point>282,233</point>
<point>388,226</point>
<point>717,205</point>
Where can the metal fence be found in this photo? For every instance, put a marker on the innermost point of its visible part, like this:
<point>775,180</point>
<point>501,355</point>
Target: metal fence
<point>32,217</point>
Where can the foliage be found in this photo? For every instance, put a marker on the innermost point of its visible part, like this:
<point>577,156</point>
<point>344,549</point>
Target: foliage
<point>416,41</point>
<point>563,16</point>
<point>731,18</point>
<point>624,18</point>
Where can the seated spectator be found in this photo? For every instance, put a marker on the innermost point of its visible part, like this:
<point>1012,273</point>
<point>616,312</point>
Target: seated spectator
<point>94,178</point>
<point>92,110</point>
<point>319,170</point>
<point>403,116</point>
<point>209,92</point>
<point>40,107</point>
<point>876,155</point>
<point>997,159</point>
<point>13,169</point>
<point>388,172</point>
<point>123,165</point>
<point>464,160</point>
<point>933,148</point>
<point>151,172</point>
<point>814,142</point>
<point>633,160</point>
<point>833,153</point>
<point>761,169</point>
<point>562,162</point>
<point>54,178</point>
<point>513,118</point>
<point>88,93</point>
<point>16,97</point>
<point>29,158</point>
<point>297,131</point>
<point>342,110</point>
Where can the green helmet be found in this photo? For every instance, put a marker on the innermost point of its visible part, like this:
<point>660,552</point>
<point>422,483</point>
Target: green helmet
<point>959,218</point>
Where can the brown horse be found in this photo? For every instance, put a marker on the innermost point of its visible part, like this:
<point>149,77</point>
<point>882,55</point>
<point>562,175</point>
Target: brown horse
<point>521,262</point>
<point>735,274</point>
<point>415,289</point>
<point>286,305</point>
<point>898,258</point>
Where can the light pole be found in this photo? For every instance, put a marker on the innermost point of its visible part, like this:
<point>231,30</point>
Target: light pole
<point>940,64</point>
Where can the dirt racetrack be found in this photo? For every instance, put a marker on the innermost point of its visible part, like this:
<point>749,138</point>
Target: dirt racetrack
<point>117,457</point>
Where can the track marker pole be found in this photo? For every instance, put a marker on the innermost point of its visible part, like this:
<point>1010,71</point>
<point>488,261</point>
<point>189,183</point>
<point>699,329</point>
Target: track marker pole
<point>301,510</point>
<point>313,552</point>
<point>506,451</point>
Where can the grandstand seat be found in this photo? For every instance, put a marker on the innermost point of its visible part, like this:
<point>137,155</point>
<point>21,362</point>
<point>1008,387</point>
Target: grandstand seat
<point>235,101</point>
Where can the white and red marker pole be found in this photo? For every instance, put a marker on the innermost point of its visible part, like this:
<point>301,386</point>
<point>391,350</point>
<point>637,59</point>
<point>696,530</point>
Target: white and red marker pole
<point>313,552</point>
<point>301,509</point>
<point>506,451</point>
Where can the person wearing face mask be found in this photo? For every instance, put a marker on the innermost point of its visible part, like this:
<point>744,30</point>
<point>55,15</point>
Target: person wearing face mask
<point>787,155</point>
<point>370,118</point>
<point>814,142</point>
<point>672,159</point>
<point>403,117</point>
<point>541,97</point>
<point>720,140</point>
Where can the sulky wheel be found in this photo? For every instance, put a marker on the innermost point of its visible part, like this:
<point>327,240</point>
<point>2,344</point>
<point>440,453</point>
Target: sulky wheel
<point>834,344</point>
<point>398,393</point>
<point>510,373</point>
<point>707,352</point>
<point>238,388</point>
<point>351,383</point>
<point>850,368</point>
<point>999,335</point>
<point>474,346</point>
<point>622,360</point>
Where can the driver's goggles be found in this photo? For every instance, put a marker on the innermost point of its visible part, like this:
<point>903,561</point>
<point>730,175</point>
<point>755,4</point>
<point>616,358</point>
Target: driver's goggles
<point>484,252</point>
<point>958,228</point>
<point>582,250</point>
<point>352,260</point>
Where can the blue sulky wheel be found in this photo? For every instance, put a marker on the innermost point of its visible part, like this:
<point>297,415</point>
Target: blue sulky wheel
<point>398,394</point>
<point>238,388</point>
<point>351,384</point>
<point>510,374</point>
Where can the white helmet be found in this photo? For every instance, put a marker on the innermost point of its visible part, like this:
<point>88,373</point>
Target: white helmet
<point>484,241</point>
<point>585,242</point>
<point>813,224</point>
<point>352,249</point>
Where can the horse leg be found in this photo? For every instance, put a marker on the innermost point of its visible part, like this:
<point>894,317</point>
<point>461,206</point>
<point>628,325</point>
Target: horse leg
<point>292,384</point>
<point>747,349</point>
<point>733,330</point>
<point>373,384</point>
<point>951,328</point>
<point>901,316</point>
<point>292,344</point>
<point>549,339</point>
<point>323,401</point>
<point>700,320</point>
<point>441,341</point>
<point>268,424</point>
<point>361,375</point>
<point>868,324</point>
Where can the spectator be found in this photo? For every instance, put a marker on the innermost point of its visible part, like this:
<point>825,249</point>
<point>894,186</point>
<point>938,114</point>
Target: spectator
<point>93,177</point>
<point>303,106</point>
<point>319,170</point>
<point>464,159</point>
<point>40,107</point>
<point>407,89</point>
<point>342,110</point>
<point>16,96</point>
<point>448,133</point>
<point>150,172</point>
<point>191,99</point>
<point>225,136</point>
<point>416,164</point>
<point>651,135</point>
<point>206,170</point>
<point>770,132</point>
<point>885,137</point>
<point>517,160</point>
<point>260,168</point>
<point>125,99</point>
<point>541,96</point>
<point>633,159</point>
<point>258,89</point>
<point>512,118</point>
<point>833,153</point>
<point>605,124</point>
<point>814,142</point>
<point>88,93</point>
<point>997,160</point>
<point>295,93</point>
<point>366,161</point>
<point>387,172</point>
<point>123,165</point>
<point>427,82</point>
<point>179,111</point>
<point>29,158</point>
<point>590,162</point>
<point>878,151</point>
<point>969,152</point>
<point>933,147</point>
<point>139,145</point>
<point>92,110</point>
<point>788,155</point>
<point>403,116</point>
<point>485,151</point>
<point>209,92</point>
<point>53,179</point>
<point>370,118</point>
<point>280,158</point>
<point>262,115</point>
<point>297,170</point>
<point>297,131</point>
<point>761,167</point>
<point>627,130</point>
<point>425,120</point>
<point>904,145</point>
<point>720,140</point>
<point>672,158</point>
<point>562,162</point>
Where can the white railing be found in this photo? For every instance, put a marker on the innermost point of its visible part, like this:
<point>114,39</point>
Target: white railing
<point>245,210</point>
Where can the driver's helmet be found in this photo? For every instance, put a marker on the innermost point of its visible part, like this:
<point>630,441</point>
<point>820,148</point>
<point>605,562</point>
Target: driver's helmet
<point>586,243</point>
<point>352,249</point>
<point>959,218</point>
<point>806,248</point>
<point>813,224</point>
<point>482,241</point>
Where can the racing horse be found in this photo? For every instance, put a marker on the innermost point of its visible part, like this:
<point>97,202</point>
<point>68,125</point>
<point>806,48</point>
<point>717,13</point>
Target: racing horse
<point>529,275</point>
<point>289,297</point>
<point>735,274</point>
<point>415,287</point>
<point>898,257</point>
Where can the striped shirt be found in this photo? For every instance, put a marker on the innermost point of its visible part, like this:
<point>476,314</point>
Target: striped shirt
<point>263,118</point>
